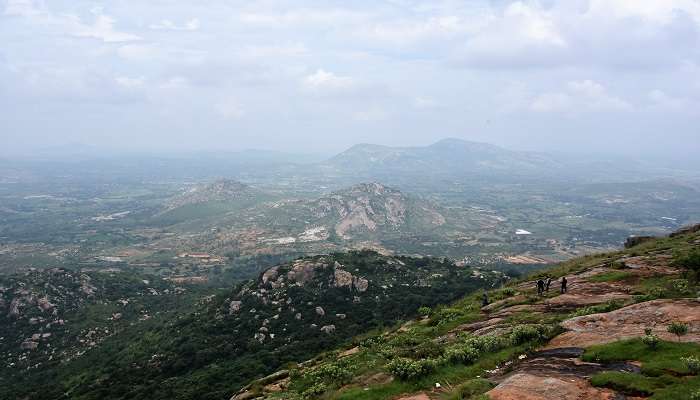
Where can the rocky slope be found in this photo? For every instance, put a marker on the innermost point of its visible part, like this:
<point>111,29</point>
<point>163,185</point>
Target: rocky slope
<point>210,349</point>
<point>627,328</point>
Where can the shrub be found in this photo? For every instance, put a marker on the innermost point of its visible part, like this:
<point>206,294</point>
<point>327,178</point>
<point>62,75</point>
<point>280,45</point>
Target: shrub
<point>424,311</point>
<point>314,391</point>
<point>464,353</point>
<point>526,333</point>
<point>680,286</point>
<point>651,341</point>
<point>473,388</point>
<point>407,369</point>
<point>678,328</point>
<point>695,395</point>
<point>689,261</point>
<point>331,373</point>
<point>693,364</point>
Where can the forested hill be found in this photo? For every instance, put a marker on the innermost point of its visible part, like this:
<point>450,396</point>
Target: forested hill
<point>211,348</point>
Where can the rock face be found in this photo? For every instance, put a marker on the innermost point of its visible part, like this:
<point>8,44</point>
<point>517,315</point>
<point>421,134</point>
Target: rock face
<point>524,386</point>
<point>630,322</point>
<point>372,207</point>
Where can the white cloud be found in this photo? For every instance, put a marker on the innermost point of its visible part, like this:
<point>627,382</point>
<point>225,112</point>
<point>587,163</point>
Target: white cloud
<point>166,24</point>
<point>229,109</point>
<point>102,28</point>
<point>424,103</point>
<point>136,51</point>
<point>579,96</point>
<point>323,80</point>
<point>175,83</point>
<point>130,83</point>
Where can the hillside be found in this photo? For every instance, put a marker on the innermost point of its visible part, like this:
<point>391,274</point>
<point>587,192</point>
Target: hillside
<point>447,157</point>
<point>367,215</point>
<point>209,199</point>
<point>627,328</point>
<point>208,348</point>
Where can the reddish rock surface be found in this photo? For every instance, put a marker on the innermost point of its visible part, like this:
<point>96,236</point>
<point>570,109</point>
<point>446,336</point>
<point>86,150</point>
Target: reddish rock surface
<point>630,322</point>
<point>524,386</point>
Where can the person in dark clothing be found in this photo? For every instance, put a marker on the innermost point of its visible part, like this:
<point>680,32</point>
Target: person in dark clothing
<point>563,284</point>
<point>549,282</point>
<point>485,300</point>
<point>540,287</point>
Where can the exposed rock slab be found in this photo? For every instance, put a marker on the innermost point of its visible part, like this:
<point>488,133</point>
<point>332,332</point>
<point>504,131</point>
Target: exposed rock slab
<point>630,322</point>
<point>525,386</point>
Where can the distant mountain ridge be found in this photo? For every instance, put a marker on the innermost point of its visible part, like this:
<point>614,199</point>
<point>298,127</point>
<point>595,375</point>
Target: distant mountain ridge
<point>447,156</point>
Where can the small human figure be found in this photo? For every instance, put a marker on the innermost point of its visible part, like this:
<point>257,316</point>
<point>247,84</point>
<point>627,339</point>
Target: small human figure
<point>563,284</point>
<point>540,287</point>
<point>485,300</point>
<point>549,282</point>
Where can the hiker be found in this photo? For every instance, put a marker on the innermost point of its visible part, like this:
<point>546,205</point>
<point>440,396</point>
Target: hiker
<point>549,282</point>
<point>540,287</point>
<point>485,300</point>
<point>563,284</point>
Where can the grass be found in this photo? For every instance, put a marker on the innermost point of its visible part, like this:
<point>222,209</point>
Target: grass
<point>612,276</point>
<point>663,376</point>
<point>667,357</point>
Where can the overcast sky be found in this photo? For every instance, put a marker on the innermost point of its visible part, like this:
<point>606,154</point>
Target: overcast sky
<point>317,76</point>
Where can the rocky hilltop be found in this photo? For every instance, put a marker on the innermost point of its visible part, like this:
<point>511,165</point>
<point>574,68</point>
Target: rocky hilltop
<point>373,207</point>
<point>627,327</point>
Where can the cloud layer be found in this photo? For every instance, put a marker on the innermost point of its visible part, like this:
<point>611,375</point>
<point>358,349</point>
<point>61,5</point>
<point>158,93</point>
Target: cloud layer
<point>175,75</point>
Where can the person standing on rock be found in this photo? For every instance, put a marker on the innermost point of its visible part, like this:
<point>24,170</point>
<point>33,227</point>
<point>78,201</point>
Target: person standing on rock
<point>540,287</point>
<point>563,284</point>
<point>549,282</point>
<point>485,299</point>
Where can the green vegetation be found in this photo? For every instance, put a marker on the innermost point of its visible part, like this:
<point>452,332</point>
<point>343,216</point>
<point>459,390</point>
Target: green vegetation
<point>678,328</point>
<point>612,276</point>
<point>611,305</point>
<point>666,370</point>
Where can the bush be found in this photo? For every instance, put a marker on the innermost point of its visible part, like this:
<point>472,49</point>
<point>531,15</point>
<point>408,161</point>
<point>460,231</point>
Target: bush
<point>314,391</point>
<point>473,388</point>
<point>695,395</point>
<point>407,369</point>
<point>651,340</point>
<point>525,333</point>
<point>678,328</point>
<point>680,285</point>
<point>693,364</point>
<point>424,311</point>
<point>462,353</point>
<point>332,373</point>
<point>689,261</point>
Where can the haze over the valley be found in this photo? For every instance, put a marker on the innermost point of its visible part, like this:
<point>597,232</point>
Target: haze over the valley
<point>585,76</point>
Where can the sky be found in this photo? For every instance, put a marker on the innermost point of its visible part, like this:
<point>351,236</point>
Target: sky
<point>589,76</point>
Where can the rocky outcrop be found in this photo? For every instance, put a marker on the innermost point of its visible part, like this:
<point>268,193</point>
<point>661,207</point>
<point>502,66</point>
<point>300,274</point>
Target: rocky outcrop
<point>525,386</point>
<point>630,322</point>
<point>686,230</point>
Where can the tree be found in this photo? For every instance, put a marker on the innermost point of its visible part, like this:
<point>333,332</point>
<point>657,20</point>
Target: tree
<point>678,328</point>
